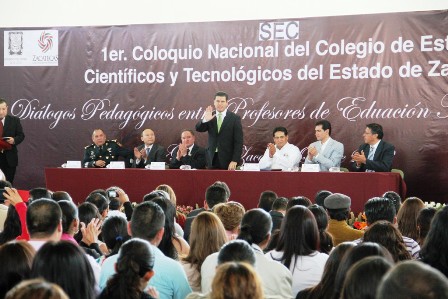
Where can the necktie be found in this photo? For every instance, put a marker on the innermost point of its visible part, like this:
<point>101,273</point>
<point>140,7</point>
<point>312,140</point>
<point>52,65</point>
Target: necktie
<point>147,153</point>
<point>188,151</point>
<point>219,121</point>
<point>1,127</point>
<point>370,157</point>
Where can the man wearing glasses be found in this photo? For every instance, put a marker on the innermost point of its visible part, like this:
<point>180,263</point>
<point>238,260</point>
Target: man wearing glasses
<point>375,155</point>
<point>280,154</point>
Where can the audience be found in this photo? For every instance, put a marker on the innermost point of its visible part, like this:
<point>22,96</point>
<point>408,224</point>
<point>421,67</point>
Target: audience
<point>278,212</point>
<point>386,234</point>
<point>134,269</point>
<point>37,289</point>
<point>325,288</point>
<point>356,286</point>
<point>16,258</point>
<point>101,202</point>
<point>395,198</point>
<point>180,218</point>
<point>207,236</point>
<point>407,217</point>
<point>230,214</point>
<point>325,239</point>
<point>424,219</point>
<point>61,195</point>
<point>65,264</point>
<point>298,201</point>
<point>435,249</point>
<point>413,280</point>
<point>114,232</point>
<point>297,248</point>
<point>320,196</point>
<point>266,200</point>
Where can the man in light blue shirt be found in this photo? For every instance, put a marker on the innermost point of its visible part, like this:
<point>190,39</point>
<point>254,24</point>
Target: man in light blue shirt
<point>170,280</point>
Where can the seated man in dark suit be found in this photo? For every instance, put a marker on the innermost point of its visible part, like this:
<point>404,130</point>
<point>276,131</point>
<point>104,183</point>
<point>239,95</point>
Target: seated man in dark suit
<point>375,155</point>
<point>102,151</point>
<point>188,153</point>
<point>149,151</point>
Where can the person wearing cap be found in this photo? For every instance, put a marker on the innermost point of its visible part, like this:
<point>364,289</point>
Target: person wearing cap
<point>338,208</point>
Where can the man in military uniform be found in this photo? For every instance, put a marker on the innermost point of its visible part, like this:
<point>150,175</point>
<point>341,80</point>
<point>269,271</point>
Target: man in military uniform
<point>102,151</point>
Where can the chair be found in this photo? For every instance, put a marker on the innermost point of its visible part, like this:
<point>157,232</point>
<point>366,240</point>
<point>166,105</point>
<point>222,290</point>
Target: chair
<point>398,171</point>
<point>343,169</point>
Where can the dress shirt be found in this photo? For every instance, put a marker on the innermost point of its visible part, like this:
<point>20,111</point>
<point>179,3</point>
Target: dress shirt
<point>285,158</point>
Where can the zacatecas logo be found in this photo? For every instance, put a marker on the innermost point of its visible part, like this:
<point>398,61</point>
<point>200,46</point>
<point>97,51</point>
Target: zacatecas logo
<point>15,45</point>
<point>45,41</point>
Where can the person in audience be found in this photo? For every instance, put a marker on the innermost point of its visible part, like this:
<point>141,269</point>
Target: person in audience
<point>207,236</point>
<point>338,208</point>
<point>61,195</point>
<point>297,248</point>
<point>234,280</point>
<point>225,146</point>
<point>356,286</point>
<point>16,258</point>
<point>149,151</point>
<point>281,154</point>
<point>70,220</point>
<point>188,153</point>
<point>65,264</point>
<point>435,249</point>
<point>14,200</point>
<point>412,279</point>
<point>214,195</point>
<point>352,256</point>
<point>326,151</point>
<point>172,245</point>
<point>385,233</point>
<point>225,186</point>
<point>278,212</point>
<point>266,200</point>
<point>326,240</point>
<point>407,217</point>
<point>12,227</point>
<point>325,288</point>
<point>381,208</point>
<point>122,198</point>
<point>375,155</point>
<point>39,192</point>
<point>115,209</point>
<point>89,215</point>
<point>180,217</point>
<point>100,202</point>
<point>134,268</point>
<point>3,207</point>
<point>114,232</point>
<point>233,251</point>
<point>424,219</point>
<point>147,223</point>
<point>230,214</point>
<point>36,289</point>
<point>298,201</point>
<point>395,198</point>
<point>320,196</point>
<point>102,151</point>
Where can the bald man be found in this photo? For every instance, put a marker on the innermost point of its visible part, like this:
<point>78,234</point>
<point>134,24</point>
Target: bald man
<point>149,151</point>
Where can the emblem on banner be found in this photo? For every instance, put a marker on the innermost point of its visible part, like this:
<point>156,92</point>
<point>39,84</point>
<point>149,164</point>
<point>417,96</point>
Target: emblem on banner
<point>45,41</point>
<point>15,46</point>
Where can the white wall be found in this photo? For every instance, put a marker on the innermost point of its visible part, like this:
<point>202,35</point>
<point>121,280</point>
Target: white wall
<point>48,13</point>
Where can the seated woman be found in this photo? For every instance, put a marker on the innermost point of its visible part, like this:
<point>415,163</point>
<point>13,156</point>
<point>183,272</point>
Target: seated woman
<point>134,270</point>
<point>297,248</point>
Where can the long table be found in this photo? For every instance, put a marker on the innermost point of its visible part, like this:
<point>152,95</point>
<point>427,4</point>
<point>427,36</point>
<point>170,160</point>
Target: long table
<point>245,186</point>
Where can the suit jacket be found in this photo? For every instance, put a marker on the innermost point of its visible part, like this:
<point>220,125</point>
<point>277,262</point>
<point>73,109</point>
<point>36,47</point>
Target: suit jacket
<point>13,128</point>
<point>382,161</point>
<point>229,140</point>
<point>156,154</point>
<point>196,158</point>
<point>109,151</point>
<point>330,157</point>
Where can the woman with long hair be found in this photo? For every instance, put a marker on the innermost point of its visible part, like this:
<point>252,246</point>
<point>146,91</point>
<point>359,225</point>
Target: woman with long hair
<point>134,269</point>
<point>385,233</point>
<point>114,232</point>
<point>16,258</point>
<point>65,264</point>
<point>297,248</point>
<point>207,236</point>
<point>435,249</point>
<point>326,240</point>
<point>180,217</point>
<point>407,217</point>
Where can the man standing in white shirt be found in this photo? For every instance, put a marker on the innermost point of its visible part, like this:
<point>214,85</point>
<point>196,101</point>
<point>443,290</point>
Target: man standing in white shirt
<point>280,154</point>
<point>326,151</point>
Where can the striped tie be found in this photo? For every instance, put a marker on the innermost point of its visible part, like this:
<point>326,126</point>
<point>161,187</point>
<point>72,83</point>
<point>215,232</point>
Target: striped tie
<point>371,152</point>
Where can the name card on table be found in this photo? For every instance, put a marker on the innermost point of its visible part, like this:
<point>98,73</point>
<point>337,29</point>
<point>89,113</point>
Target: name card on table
<point>116,165</point>
<point>157,166</point>
<point>251,167</point>
<point>73,164</point>
<point>310,168</point>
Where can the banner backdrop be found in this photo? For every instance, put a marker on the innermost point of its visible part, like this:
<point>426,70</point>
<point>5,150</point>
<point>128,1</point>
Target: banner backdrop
<point>351,70</point>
